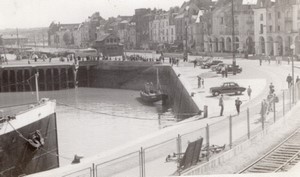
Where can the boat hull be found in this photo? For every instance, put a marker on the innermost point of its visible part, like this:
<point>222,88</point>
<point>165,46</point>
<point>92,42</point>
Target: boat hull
<point>150,98</point>
<point>18,157</point>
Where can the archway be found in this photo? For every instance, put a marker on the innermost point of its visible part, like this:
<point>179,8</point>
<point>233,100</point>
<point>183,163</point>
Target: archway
<point>279,47</point>
<point>250,45</point>
<point>222,44</point>
<point>288,42</point>
<point>216,43</point>
<point>228,44</point>
<point>237,45</point>
<point>262,45</point>
<point>270,49</point>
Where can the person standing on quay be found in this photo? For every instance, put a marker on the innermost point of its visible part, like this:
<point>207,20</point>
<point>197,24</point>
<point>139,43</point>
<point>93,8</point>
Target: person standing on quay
<point>221,103</point>
<point>238,103</point>
<point>249,91</point>
<point>289,80</point>
<point>199,81</point>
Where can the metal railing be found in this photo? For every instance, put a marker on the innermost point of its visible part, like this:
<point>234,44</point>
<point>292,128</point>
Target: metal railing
<point>229,132</point>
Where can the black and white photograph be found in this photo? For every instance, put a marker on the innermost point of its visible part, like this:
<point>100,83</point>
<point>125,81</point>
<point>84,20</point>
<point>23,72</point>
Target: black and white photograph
<point>149,88</point>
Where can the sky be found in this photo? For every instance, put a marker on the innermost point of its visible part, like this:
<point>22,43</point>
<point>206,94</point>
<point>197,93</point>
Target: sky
<point>40,13</point>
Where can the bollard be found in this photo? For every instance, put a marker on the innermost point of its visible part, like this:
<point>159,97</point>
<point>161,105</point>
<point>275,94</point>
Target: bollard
<point>205,111</point>
<point>159,120</point>
<point>179,149</point>
<point>207,141</point>
<point>248,123</point>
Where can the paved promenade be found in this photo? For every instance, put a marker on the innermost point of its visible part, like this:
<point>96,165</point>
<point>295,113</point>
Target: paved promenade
<point>257,76</point>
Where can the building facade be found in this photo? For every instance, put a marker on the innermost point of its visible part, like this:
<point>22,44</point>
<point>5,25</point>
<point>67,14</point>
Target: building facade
<point>109,45</point>
<point>162,28</point>
<point>277,27</point>
<point>221,37</point>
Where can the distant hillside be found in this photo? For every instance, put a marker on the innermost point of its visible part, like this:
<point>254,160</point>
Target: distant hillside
<point>37,35</point>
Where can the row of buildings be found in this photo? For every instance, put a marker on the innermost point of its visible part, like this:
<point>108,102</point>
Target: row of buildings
<point>267,27</point>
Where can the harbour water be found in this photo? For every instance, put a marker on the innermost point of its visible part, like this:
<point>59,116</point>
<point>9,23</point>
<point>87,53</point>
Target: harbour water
<point>93,120</point>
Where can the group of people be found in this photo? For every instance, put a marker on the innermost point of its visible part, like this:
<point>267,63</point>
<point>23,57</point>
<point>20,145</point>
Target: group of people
<point>237,102</point>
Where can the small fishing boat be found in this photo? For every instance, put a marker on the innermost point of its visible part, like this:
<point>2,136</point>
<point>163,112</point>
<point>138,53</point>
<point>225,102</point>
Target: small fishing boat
<point>150,94</point>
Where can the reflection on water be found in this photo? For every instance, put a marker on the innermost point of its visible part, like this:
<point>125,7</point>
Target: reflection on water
<point>92,120</point>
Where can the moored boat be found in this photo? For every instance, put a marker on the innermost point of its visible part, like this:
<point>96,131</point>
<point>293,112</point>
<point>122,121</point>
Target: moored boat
<point>28,139</point>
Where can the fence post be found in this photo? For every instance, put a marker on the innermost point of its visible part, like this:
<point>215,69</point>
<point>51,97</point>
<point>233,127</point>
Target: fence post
<point>230,131</point>
<point>283,102</point>
<point>274,109</point>
<point>263,112</point>
<point>93,170</point>
<point>248,123</point>
<point>207,141</point>
<point>290,98</point>
<point>142,162</point>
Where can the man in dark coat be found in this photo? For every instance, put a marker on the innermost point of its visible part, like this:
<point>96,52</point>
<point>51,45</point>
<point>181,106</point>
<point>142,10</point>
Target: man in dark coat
<point>289,80</point>
<point>221,103</point>
<point>238,103</point>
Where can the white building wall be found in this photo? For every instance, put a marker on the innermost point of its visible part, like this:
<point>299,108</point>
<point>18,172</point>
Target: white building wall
<point>257,25</point>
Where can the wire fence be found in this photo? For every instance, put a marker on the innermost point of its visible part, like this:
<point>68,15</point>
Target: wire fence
<point>163,158</point>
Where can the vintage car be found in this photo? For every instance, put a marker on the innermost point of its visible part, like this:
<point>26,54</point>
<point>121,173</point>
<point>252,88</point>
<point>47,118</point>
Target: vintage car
<point>218,66</point>
<point>227,87</point>
<point>210,63</point>
<point>230,68</point>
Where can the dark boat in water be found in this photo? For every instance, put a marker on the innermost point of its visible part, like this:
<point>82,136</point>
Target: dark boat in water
<point>28,139</point>
<point>151,94</point>
<point>150,97</point>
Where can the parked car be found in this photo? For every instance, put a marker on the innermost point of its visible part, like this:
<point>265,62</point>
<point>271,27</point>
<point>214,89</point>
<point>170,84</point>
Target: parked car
<point>230,68</point>
<point>210,63</point>
<point>218,66</point>
<point>227,87</point>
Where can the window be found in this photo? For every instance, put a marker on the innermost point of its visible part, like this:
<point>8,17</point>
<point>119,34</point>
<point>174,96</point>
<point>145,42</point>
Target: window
<point>261,17</point>
<point>270,16</point>
<point>278,27</point>
<point>261,28</point>
<point>222,20</point>
<point>278,15</point>
<point>270,28</point>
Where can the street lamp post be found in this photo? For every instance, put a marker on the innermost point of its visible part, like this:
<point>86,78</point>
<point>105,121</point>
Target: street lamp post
<point>293,72</point>
<point>233,39</point>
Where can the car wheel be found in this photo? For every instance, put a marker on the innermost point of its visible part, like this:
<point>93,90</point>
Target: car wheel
<point>216,93</point>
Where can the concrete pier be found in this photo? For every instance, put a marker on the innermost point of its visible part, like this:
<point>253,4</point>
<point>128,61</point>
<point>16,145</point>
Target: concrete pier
<point>20,78</point>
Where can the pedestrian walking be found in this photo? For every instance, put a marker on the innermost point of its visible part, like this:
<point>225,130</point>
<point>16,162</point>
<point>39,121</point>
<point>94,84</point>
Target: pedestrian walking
<point>238,103</point>
<point>289,80</point>
<point>272,90</point>
<point>202,80</point>
<point>221,104</point>
<point>223,71</point>
<point>260,61</point>
<point>297,80</point>
<point>288,60</point>
<point>195,63</point>
<point>226,71</point>
<point>199,81</point>
<point>249,91</point>
<point>263,109</point>
<point>269,59</point>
